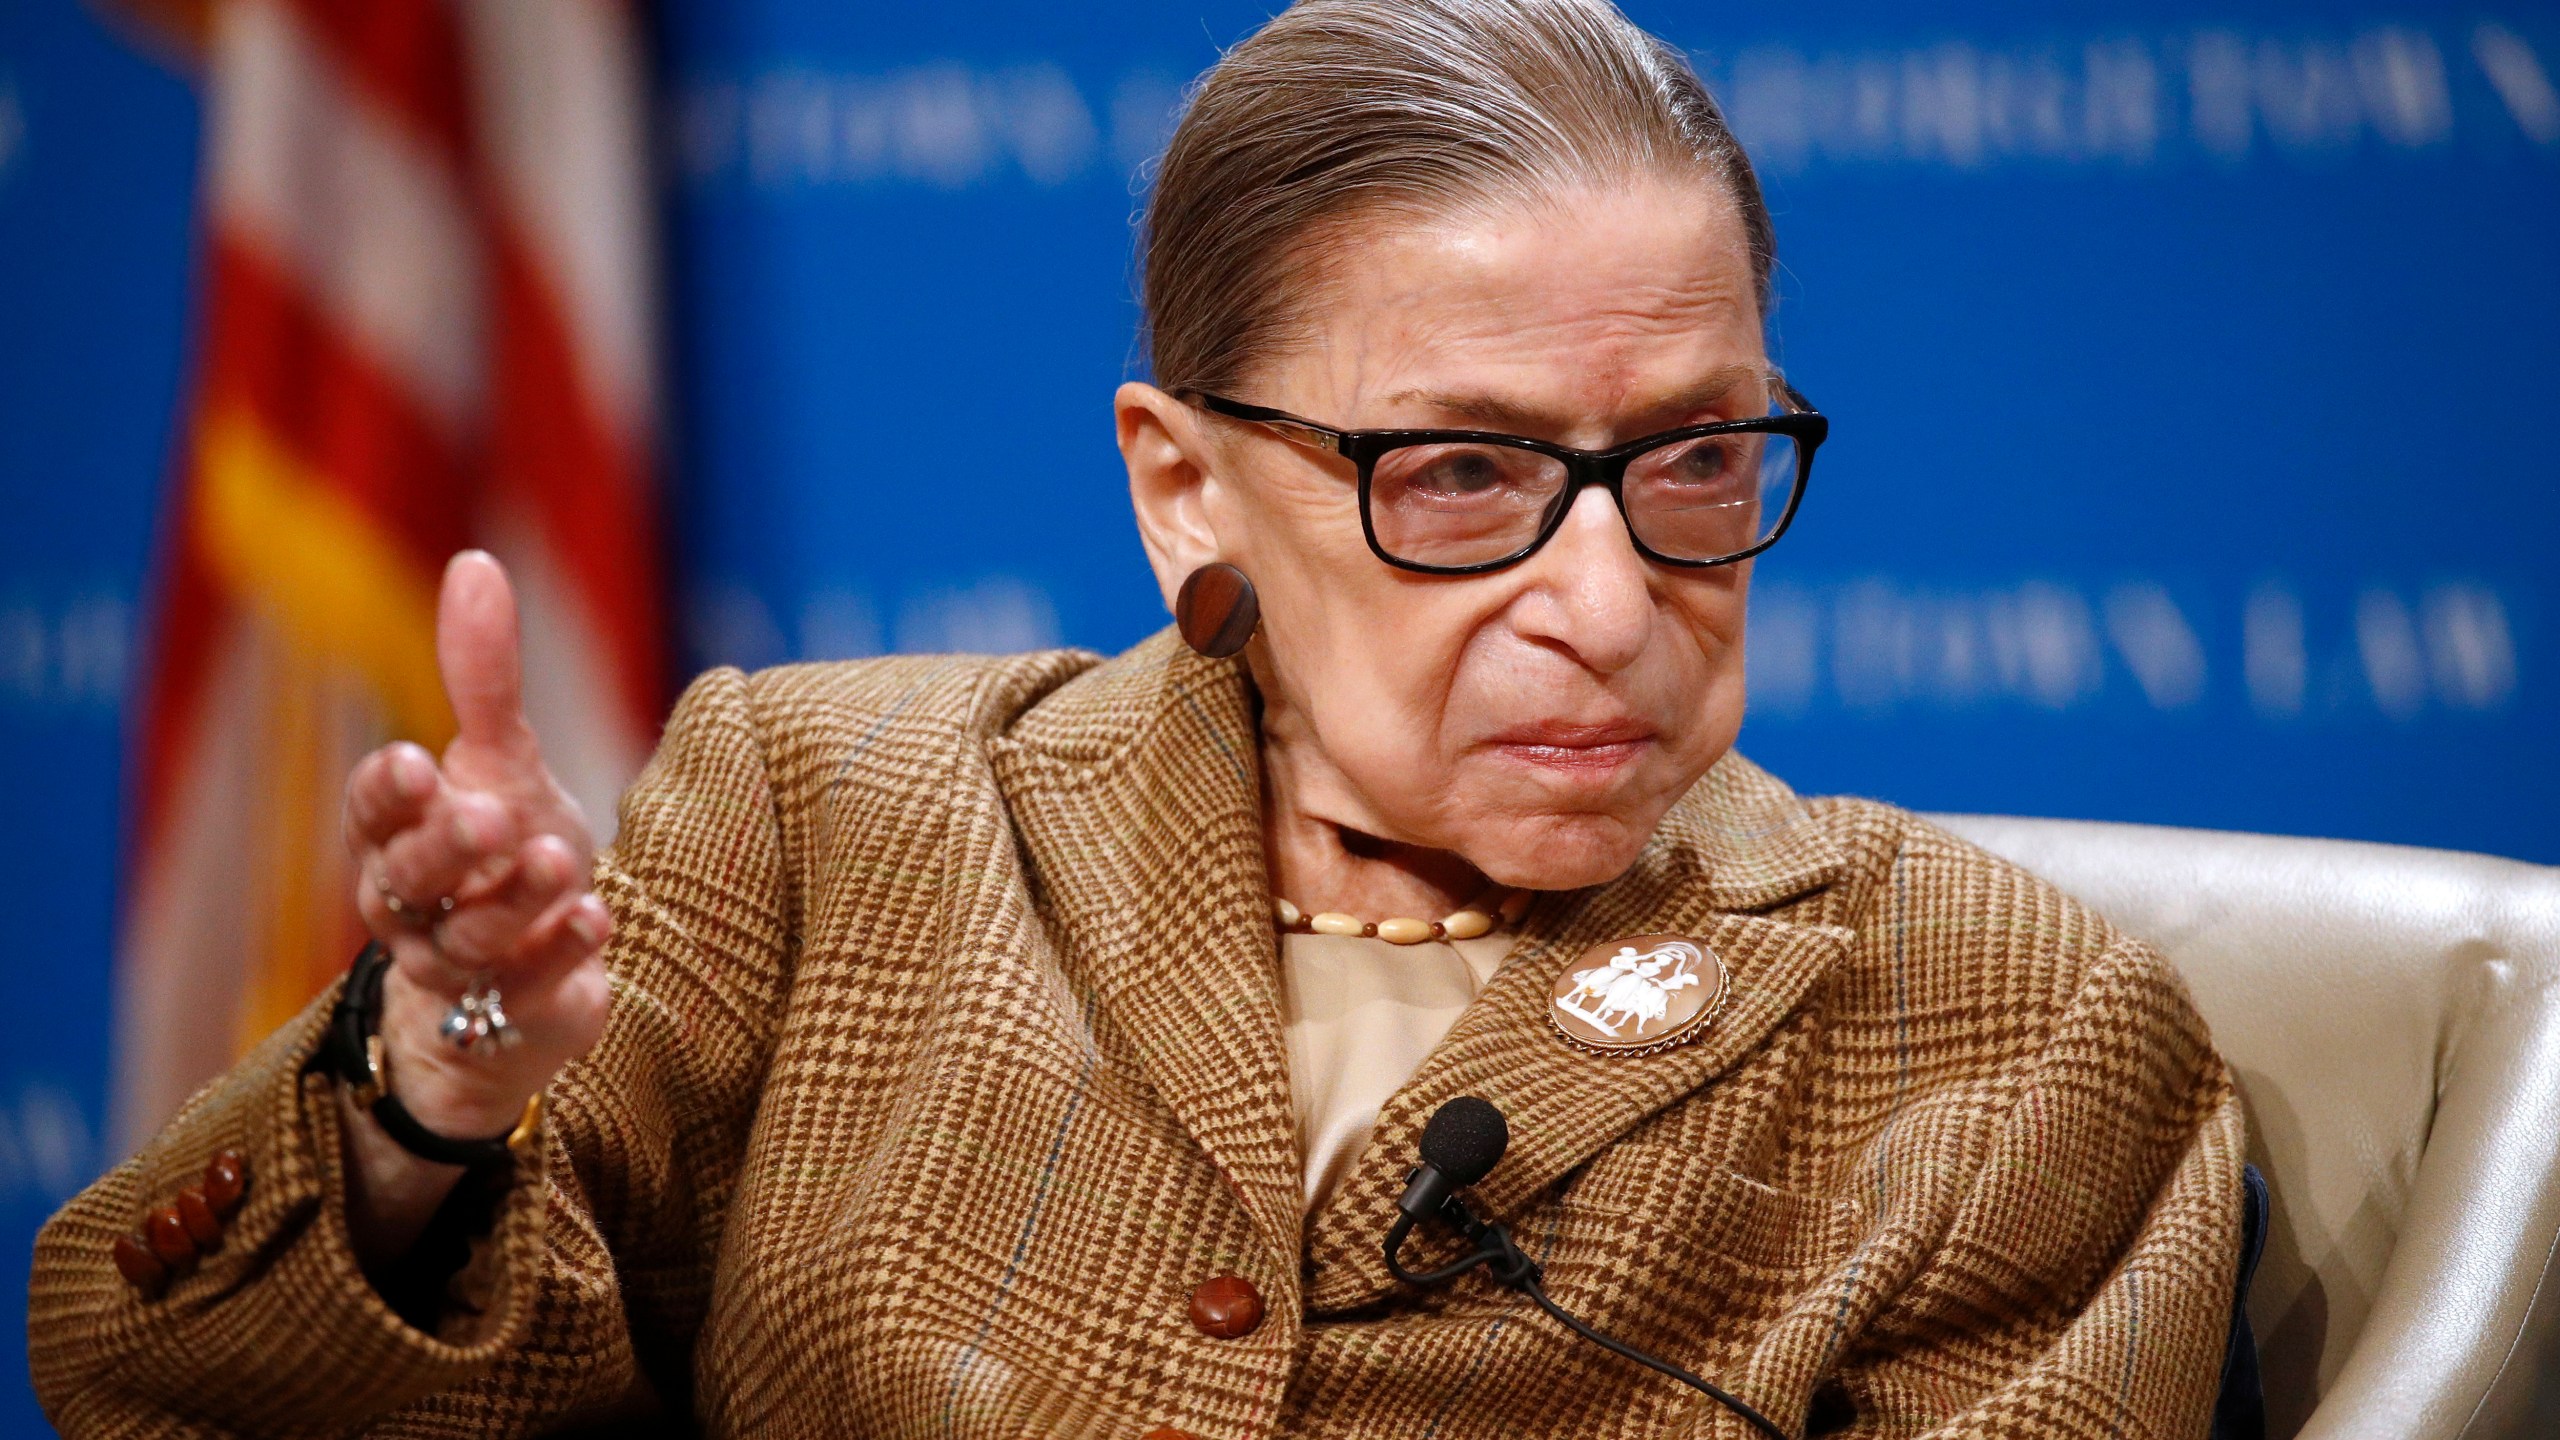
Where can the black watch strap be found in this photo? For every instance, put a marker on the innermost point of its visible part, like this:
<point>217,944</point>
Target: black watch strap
<point>352,1052</point>
<point>418,1140</point>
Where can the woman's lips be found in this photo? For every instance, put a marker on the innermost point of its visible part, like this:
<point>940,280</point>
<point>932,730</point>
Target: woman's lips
<point>1591,750</point>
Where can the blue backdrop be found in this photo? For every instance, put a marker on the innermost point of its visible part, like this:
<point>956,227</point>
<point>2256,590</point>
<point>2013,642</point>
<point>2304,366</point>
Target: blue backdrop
<point>2191,367</point>
<point>2189,370</point>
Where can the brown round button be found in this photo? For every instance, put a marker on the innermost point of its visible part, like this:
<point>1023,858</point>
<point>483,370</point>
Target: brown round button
<point>1226,1308</point>
<point>140,1268</point>
<point>203,1226</point>
<point>226,1179</point>
<point>168,1236</point>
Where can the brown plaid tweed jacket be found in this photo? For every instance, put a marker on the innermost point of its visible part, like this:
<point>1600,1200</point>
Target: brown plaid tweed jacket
<point>946,1060</point>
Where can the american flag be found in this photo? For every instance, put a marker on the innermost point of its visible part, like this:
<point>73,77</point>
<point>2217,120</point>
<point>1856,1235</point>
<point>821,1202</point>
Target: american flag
<point>424,322</point>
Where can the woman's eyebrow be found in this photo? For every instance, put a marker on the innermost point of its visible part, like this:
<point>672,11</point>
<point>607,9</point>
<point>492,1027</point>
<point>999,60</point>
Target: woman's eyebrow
<point>1714,386</point>
<point>1496,412</point>
<point>1493,412</point>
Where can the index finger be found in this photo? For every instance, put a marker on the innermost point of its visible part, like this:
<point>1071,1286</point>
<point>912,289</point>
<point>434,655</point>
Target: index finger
<point>478,653</point>
<point>387,792</point>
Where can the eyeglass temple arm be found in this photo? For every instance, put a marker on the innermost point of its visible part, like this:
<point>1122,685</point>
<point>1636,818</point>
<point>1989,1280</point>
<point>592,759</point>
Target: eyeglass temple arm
<point>1279,422</point>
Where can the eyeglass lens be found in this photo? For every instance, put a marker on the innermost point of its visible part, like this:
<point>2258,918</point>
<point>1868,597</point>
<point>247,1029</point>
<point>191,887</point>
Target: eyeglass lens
<point>1705,498</point>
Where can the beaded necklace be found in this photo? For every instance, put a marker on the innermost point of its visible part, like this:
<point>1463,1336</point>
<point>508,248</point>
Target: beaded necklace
<point>1463,924</point>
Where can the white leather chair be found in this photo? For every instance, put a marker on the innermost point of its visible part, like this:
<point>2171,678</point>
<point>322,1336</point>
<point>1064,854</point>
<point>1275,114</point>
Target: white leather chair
<point>2393,1016</point>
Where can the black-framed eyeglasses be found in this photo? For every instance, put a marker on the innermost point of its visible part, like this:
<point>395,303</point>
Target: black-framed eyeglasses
<point>1462,502</point>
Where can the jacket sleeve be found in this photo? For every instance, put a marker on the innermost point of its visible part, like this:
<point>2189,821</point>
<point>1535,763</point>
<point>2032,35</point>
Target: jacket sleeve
<point>581,1301</point>
<point>2085,1285</point>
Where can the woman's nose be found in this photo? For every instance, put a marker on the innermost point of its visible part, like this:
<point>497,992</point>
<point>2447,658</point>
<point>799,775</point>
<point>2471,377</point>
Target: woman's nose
<point>1590,592</point>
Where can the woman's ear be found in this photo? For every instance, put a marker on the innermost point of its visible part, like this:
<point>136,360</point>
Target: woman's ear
<point>1166,449</point>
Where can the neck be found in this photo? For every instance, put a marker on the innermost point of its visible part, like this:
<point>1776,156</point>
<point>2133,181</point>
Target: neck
<point>1326,851</point>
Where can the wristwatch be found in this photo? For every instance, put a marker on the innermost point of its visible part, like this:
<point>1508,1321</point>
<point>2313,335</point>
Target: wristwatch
<point>353,1053</point>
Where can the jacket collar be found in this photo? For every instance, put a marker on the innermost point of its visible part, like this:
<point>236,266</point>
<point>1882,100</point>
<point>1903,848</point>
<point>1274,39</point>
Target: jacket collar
<point>1136,789</point>
<point>1564,1104</point>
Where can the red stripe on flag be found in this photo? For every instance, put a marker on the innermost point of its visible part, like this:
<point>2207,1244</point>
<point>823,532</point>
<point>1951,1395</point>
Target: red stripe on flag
<point>549,442</point>
<point>406,55</point>
<point>269,348</point>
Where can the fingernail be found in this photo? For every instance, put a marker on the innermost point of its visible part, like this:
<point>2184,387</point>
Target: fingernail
<point>588,923</point>
<point>411,771</point>
<point>470,830</point>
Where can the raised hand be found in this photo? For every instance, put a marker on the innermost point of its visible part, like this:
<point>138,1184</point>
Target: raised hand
<point>473,868</point>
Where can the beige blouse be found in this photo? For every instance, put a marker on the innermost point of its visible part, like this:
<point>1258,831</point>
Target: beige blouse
<point>1362,1014</point>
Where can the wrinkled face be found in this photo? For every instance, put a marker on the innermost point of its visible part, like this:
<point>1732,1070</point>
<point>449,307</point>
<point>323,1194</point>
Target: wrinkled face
<point>1536,720</point>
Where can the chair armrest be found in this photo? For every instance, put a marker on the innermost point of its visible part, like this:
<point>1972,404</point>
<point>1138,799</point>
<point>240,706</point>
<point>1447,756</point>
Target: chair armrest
<point>2394,1018</point>
<point>2458,1334</point>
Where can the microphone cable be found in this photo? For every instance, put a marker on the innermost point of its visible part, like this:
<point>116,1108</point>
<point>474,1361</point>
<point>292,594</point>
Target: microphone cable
<point>1460,1144</point>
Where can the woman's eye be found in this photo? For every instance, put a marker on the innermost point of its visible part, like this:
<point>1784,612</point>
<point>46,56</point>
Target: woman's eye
<point>1449,474</point>
<point>1704,468</point>
<point>1470,473</point>
<point>1701,462</point>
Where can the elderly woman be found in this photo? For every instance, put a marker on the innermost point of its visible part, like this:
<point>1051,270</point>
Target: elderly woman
<point>1038,1045</point>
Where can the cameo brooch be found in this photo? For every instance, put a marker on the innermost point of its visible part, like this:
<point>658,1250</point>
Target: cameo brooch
<point>1638,995</point>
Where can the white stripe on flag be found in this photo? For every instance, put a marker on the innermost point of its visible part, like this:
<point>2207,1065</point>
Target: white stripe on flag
<point>366,216</point>
<point>560,108</point>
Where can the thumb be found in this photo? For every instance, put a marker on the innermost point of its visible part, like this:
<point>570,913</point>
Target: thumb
<point>478,653</point>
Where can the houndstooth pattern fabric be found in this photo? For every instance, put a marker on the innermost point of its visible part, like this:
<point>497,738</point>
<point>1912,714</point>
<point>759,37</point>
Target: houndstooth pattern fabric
<point>946,1058</point>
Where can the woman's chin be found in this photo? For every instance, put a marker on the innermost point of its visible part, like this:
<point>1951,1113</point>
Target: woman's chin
<point>1557,852</point>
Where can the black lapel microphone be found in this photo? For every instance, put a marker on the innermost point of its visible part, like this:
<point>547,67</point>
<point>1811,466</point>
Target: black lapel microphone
<point>1461,1143</point>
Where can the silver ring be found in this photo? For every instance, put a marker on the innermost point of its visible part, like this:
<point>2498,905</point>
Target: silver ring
<point>410,912</point>
<point>478,1018</point>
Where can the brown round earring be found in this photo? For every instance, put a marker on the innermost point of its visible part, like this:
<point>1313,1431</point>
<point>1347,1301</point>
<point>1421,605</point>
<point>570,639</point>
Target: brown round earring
<point>1217,610</point>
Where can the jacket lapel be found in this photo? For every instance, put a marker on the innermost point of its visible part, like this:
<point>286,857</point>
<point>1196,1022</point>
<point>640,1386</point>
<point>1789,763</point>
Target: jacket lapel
<point>1136,790</point>
<point>1739,844</point>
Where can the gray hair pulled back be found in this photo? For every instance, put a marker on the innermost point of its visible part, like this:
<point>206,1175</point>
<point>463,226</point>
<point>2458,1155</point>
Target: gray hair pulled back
<point>1339,111</point>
